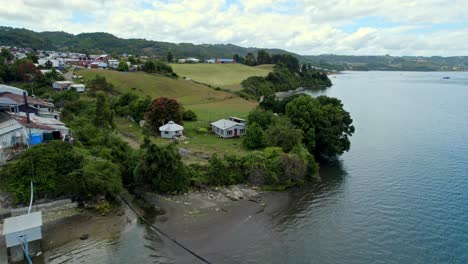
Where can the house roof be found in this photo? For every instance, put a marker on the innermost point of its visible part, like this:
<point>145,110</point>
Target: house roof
<point>11,89</point>
<point>23,222</point>
<point>19,99</point>
<point>225,124</point>
<point>171,127</point>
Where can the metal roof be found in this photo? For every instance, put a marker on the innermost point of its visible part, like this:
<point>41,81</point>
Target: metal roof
<point>225,124</point>
<point>171,126</point>
<point>23,222</point>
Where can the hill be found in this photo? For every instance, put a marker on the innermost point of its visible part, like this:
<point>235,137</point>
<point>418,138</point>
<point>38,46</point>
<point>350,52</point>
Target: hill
<point>107,43</point>
<point>209,105</point>
<point>228,76</point>
<point>390,63</point>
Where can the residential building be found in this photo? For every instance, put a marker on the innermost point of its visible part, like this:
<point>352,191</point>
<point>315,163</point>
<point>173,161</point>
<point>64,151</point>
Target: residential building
<point>171,130</point>
<point>229,128</point>
<point>61,85</point>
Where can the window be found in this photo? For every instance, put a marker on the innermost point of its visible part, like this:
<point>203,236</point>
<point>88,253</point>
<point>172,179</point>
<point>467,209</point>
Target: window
<point>229,132</point>
<point>242,131</point>
<point>165,132</point>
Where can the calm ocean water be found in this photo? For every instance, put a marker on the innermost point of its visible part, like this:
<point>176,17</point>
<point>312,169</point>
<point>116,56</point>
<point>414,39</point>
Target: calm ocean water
<point>399,196</point>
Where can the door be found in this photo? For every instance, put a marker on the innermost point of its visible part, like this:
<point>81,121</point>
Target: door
<point>235,132</point>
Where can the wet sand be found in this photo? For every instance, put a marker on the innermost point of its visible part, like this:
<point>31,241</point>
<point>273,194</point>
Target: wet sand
<point>214,226</point>
<point>209,223</point>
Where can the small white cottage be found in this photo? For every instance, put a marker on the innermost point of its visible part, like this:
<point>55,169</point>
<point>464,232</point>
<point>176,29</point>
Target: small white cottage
<point>171,130</point>
<point>229,128</point>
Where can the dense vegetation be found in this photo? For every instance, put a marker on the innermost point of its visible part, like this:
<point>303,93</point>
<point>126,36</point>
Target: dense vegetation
<point>95,43</point>
<point>286,75</point>
<point>320,124</point>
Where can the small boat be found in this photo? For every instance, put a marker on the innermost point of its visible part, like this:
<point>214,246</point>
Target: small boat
<point>446,77</point>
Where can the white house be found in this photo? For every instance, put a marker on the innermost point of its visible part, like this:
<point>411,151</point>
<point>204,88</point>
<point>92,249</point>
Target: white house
<point>229,128</point>
<point>171,130</point>
<point>113,64</point>
<point>78,87</point>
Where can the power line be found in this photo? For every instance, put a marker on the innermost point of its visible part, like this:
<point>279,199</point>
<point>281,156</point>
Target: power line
<point>163,233</point>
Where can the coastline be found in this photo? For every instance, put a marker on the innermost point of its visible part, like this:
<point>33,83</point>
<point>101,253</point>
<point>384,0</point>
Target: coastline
<point>209,222</point>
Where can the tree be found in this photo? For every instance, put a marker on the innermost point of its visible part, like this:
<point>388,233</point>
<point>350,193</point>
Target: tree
<point>303,112</point>
<point>170,58</point>
<point>282,133</point>
<point>238,58</point>
<point>250,59</point>
<point>25,70</point>
<point>99,83</point>
<point>162,168</point>
<point>163,110</point>
<point>254,137</point>
<point>333,128</point>
<point>263,57</point>
<point>59,170</point>
<point>32,57</point>
<point>104,117</point>
<point>100,176</point>
<point>262,118</point>
<point>150,66</point>
<point>48,64</point>
<point>123,66</point>
<point>326,125</point>
<point>257,86</point>
<point>7,55</point>
<point>132,60</point>
<point>139,107</point>
<point>189,115</point>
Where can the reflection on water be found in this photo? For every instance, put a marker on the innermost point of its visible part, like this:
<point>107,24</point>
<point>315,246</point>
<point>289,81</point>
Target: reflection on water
<point>332,175</point>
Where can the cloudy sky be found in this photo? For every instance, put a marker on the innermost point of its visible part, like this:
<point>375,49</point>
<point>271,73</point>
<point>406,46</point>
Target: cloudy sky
<point>357,27</point>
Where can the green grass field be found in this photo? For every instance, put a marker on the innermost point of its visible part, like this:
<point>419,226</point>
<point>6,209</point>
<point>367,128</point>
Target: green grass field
<point>228,76</point>
<point>209,105</point>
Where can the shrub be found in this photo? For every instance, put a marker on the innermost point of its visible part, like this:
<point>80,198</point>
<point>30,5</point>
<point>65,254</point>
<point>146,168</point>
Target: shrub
<point>225,171</point>
<point>255,137</point>
<point>202,130</point>
<point>189,115</point>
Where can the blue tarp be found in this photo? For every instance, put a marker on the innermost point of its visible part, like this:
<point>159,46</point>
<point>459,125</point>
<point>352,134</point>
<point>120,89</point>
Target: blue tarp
<point>35,139</point>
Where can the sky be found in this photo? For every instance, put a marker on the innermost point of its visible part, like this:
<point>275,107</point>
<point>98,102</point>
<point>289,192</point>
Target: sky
<point>307,27</point>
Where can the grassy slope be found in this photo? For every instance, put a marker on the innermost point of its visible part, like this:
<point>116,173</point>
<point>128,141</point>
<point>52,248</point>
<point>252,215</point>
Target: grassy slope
<point>209,104</point>
<point>268,67</point>
<point>227,76</point>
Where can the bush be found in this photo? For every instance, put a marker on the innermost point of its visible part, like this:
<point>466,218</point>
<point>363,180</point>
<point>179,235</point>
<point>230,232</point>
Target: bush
<point>255,137</point>
<point>59,170</point>
<point>225,171</point>
<point>202,130</point>
<point>162,168</point>
<point>189,115</point>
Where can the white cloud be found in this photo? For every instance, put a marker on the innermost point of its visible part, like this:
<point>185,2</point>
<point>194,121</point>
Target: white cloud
<point>303,26</point>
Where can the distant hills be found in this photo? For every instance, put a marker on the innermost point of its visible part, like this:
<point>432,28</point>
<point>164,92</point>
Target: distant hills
<point>95,43</point>
<point>390,63</point>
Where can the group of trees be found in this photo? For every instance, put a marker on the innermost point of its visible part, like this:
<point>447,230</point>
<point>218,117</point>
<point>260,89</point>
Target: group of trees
<point>283,78</point>
<point>263,57</point>
<point>157,66</point>
<point>320,124</point>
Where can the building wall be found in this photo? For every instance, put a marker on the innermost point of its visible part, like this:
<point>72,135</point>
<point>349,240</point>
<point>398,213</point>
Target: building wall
<point>10,138</point>
<point>229,133</point>
<point>170,134</point>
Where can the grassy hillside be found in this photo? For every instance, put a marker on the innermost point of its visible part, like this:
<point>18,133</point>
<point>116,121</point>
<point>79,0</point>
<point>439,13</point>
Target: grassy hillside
<point>209,104</point>
<point>227,76</point>
<point>268,67</point>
